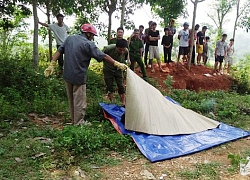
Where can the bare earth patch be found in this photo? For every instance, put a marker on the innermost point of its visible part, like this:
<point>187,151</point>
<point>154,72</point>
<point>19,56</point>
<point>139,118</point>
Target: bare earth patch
<point>197,78</point>
<point>133,169</point>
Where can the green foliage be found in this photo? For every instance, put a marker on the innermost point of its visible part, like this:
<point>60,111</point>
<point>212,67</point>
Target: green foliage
<point>236,160</point>
<point>23,90</point>
<point>201,171</point>
<point>218,12</point>
<point>170,9</point>
<point>168,82</point>
<point>245,19</point>
<point>88,139</point>
<point>21,144</point>
<point>242,76</point>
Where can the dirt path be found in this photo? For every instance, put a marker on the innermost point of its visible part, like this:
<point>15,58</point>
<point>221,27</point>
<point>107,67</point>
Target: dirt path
<point>133,169</point>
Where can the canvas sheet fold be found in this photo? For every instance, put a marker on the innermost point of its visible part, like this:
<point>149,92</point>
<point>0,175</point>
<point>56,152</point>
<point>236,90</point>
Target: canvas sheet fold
<point>148,111</point>
<point>157,148</point>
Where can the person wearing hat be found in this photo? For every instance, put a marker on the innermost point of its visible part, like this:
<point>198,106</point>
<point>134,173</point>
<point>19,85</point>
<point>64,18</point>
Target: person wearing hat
<point>183,37</point>
<point>60,30</point>
<point>135,52</point>
<point>118,51</point>
<point>78,51</point>
<point>199,44</point>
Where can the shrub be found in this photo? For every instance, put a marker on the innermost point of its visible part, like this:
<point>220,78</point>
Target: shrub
<point>241,76</point>
<point>88,139</point>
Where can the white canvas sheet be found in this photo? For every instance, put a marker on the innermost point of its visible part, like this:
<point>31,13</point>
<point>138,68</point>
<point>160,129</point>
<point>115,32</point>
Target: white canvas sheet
<point>148,111</point>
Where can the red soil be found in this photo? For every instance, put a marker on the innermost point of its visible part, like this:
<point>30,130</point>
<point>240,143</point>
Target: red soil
<point>193,79</point>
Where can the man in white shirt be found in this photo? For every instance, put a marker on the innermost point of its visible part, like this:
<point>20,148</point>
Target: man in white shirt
<point>220,53</point>
<point>229,59</point>
<point>183,36</point>
<point>60,31</point>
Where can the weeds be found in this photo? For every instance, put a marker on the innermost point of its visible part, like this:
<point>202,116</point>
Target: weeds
<point>201,171</point>
<point>23,90</point>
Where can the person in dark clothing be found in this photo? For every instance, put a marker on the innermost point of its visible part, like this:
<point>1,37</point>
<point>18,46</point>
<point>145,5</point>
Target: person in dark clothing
<point>196,28</point>
<point>167,44</point>
<point>199,43</point>
<point>78,50</point>
<point>147,43</point>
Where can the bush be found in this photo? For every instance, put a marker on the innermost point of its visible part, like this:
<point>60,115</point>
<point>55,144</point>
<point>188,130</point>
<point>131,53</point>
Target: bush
<point>86,140</point>
<point>241,76</point>
<point>24,90</point>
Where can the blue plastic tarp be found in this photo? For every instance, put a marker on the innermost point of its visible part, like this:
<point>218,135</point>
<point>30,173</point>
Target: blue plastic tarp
<point>157,148</point>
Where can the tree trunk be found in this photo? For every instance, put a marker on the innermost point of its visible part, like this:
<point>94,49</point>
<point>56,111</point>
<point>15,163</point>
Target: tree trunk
<point>192,34</point>
<point>109,26</point>
<point>48,9</point>
<point>123,3</point>
<point>35,36</point>
<point>237,16</point>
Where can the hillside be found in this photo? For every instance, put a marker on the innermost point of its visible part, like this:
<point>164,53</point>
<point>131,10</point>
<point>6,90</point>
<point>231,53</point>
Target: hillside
<point>198,78</point>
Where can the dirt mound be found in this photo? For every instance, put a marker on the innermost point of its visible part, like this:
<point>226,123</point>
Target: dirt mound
<point>197,78</point>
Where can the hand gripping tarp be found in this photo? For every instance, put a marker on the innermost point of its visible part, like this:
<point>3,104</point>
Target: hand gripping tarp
<point>157,148</point>
<point>148,111</point>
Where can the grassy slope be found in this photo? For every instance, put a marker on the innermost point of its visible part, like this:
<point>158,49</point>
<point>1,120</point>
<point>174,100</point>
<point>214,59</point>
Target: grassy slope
<point>17,137</point>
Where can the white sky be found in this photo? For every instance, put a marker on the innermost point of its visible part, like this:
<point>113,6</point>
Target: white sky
<point>143,15</point>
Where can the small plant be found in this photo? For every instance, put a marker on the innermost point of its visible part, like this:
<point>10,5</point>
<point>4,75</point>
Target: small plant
<point>236,160</point>
<point>208,105</point>
<point>169,82</point>
<point>201,171</point>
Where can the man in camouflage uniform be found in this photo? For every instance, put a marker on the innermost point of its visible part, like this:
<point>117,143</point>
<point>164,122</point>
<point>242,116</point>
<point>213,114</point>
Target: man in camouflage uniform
<point>118,52</point>
<point>135,52</point>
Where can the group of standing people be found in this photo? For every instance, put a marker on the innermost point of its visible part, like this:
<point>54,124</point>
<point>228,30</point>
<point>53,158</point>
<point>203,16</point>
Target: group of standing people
<point>120,54</point>
<point>223,51</point>
<point>78,51</point>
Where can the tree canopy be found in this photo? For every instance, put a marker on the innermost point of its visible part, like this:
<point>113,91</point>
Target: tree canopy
<point>168,9</point>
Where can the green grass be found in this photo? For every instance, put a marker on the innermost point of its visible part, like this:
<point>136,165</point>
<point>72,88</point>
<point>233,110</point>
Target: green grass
<point>86,147</point>
<point>201,171</point>
<point>20,143</point>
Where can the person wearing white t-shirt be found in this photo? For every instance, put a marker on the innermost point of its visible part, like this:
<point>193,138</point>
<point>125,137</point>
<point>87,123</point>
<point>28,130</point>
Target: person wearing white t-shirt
<point>60,31</point>
<point>229,59</point>
<point>220,53</point>
<point>183,42</point>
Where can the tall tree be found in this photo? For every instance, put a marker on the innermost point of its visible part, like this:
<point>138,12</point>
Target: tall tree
<point>128,7</point>
<point>195,3</point>
<point>219,11</point>
<point>12,15</point>
<point>168,9</point>
<point>244,11</point>
<point>109,6</point>
<point>35,35</point>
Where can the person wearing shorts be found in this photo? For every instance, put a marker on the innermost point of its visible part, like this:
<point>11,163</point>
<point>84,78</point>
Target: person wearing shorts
<point>199,44</point>
<point>111,73</point>
<point>220,53</point>
<point>154,36</point>
<point>183,36</point>
<point>229,59</point>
